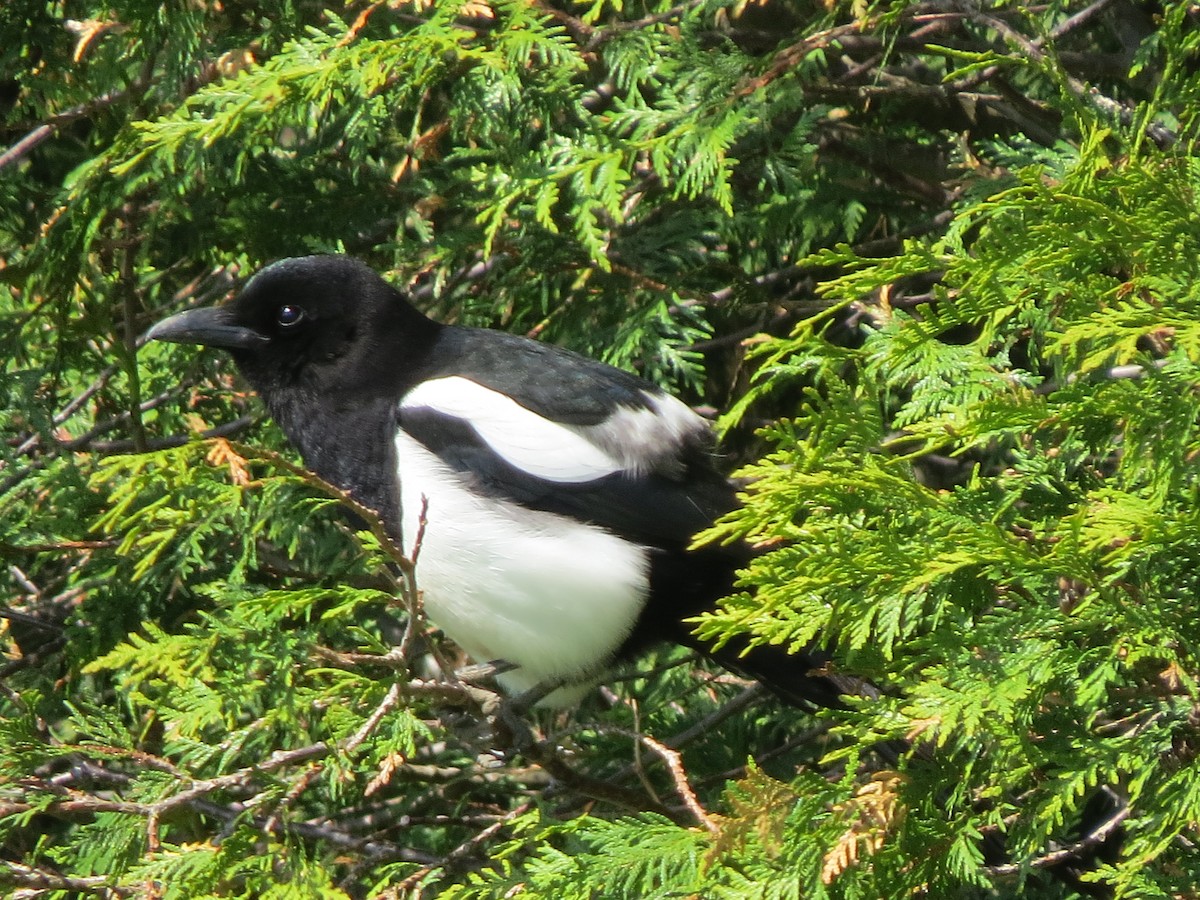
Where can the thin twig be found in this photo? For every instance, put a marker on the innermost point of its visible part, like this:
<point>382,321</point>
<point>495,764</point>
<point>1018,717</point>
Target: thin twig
<point>515,732</point>
<point>390,699</point>
<point>807,737</point>
<point>195,796</point>
<point>706,725</point>
<point>372,848</point>
<point>1094,838</point>
<point>459,853</point>
<point>53,124</point>
<point>375,523</point>
<point>1033,51</point>
<point>40,880</point>
<point>87,441</point>
<point>299,785</point>
<point>112,448</point>
<point>674,763</point>
<point>416,607</point>
<point>602,36</point>
<point>1081,18</point>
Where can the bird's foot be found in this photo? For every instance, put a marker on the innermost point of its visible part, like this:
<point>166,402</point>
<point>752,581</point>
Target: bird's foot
<point>484,672</point>
<point>509,721</point>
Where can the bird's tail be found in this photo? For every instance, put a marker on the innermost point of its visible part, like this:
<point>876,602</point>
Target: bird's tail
<point>694,581</point>
<point>802,679</point>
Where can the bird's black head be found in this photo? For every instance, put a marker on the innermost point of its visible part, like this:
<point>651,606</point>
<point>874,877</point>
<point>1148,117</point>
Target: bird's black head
<point>314,325</point>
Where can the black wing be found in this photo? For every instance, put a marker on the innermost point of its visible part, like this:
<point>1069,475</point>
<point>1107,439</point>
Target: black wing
<point>555,431</point>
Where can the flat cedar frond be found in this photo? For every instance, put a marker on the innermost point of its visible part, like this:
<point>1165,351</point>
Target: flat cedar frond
<point>869,816</point>
<point>758,809</point>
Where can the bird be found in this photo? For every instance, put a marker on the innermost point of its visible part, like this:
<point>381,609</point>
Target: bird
<point>551,499</point>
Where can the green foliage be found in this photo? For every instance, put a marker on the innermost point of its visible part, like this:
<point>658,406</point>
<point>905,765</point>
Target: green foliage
<point>936,267</point>
<point>1032,616</point>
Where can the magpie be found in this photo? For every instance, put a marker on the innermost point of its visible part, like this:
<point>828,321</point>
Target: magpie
<point>554,497</point>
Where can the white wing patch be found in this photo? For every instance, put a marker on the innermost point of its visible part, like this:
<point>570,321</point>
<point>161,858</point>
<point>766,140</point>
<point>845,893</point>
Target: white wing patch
<point>634,440</point>
<point>650,439</point>
<point>518,435</point>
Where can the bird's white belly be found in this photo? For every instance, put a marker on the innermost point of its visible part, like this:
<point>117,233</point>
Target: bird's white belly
<point>544,592</point>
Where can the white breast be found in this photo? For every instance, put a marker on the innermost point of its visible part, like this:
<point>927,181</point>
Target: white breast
<point>544,592</point>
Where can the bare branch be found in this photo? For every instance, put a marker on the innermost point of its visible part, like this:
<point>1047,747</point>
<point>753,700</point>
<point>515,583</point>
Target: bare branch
<point>374,521</point>
<point>459,853</point>
<point>675,766</point>
<point>1094,838</point>
<point>1033,50</point>
<point>56,122</point>
<point>31,878</point>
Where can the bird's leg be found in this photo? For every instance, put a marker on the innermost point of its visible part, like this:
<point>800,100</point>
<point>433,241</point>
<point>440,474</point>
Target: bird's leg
<point>508,718</point>
<point>522,703</point>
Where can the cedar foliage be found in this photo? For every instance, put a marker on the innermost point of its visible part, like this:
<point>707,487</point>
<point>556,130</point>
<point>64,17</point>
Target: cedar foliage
<point>936,263</point>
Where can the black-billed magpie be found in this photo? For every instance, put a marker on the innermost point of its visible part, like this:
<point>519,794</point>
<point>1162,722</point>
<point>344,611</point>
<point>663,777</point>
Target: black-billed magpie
<point>559,494</point>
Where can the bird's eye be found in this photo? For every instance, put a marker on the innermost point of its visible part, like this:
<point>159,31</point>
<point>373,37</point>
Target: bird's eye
<point>289,315</point>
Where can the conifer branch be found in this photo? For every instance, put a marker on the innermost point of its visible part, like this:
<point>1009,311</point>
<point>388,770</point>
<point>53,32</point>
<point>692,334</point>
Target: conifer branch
<point>920,246</point>
<point>1074,852</point>
<point>55,123</point>
<point>32,878</point>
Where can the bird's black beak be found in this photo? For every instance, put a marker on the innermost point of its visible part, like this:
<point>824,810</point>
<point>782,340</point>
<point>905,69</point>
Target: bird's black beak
<point>212,326</point>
